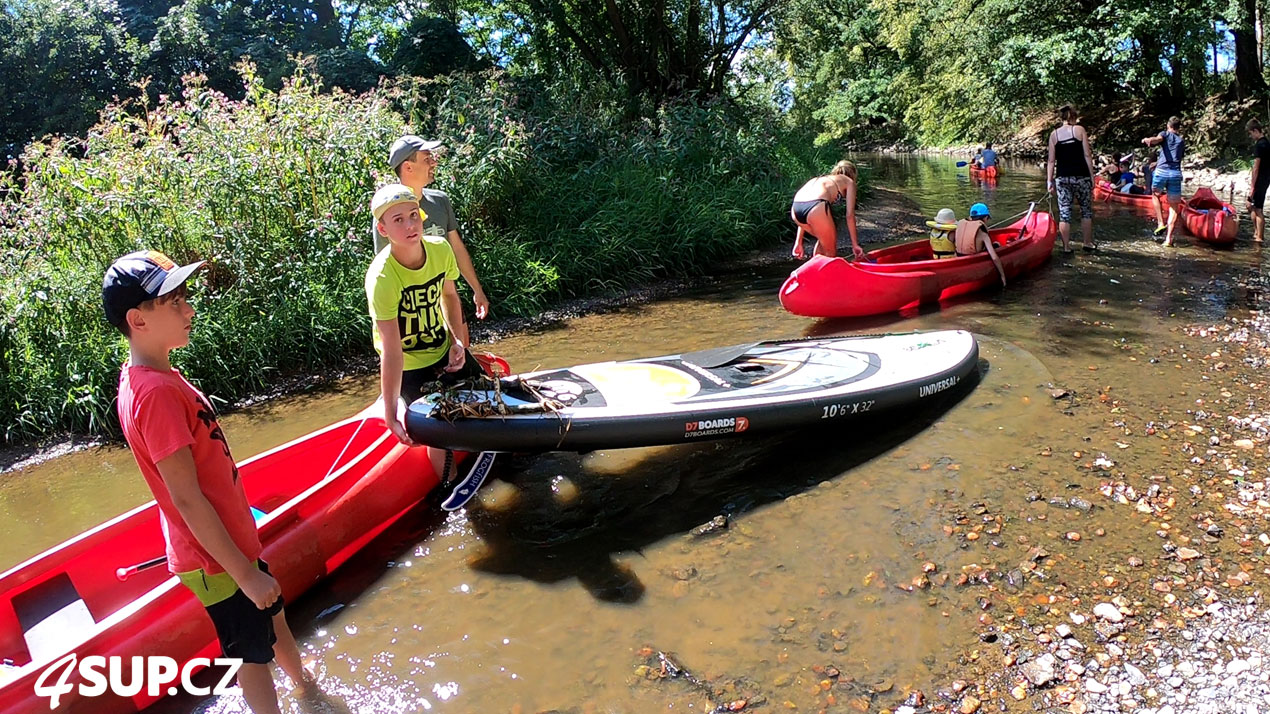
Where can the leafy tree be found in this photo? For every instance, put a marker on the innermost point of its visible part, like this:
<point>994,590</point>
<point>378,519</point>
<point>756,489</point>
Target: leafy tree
<point>657,48</point>
<point>141,17</point>
<point>947,70</point>
<point>348,69</point>
<point>59,65</point>
<point>209,37</point>
<point>431,46</point>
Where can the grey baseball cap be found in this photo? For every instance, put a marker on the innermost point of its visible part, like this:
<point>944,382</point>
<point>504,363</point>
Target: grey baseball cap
<point>406,146</point>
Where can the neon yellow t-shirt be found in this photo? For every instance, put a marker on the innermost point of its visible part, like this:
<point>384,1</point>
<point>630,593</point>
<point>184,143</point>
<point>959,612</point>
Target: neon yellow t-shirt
<point>413,298</point>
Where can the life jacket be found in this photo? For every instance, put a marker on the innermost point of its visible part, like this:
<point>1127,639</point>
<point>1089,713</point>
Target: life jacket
<point>966,242</point>
<point>941,239</point>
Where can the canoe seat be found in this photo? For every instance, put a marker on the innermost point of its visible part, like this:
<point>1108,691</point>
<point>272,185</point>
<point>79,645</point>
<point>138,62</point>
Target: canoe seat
<point>53,617</point>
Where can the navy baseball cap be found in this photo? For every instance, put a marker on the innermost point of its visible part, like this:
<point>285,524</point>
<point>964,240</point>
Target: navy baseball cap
<point>138,277</point>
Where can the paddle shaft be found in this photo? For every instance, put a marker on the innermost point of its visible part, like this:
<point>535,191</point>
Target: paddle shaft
<point>125,573</point>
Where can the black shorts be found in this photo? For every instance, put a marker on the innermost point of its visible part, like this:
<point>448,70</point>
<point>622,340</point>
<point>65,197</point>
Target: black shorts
<point>416,383</point>
<point>244,630</point>
<point>1259,195</point>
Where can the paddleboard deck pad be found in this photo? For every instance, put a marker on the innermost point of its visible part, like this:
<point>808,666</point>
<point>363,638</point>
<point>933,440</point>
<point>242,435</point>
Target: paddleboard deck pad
<point>747,390</point>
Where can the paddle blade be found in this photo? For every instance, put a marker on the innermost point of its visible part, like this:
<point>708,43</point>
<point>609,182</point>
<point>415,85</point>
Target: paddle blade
<point>718,356</point>
<point>961,164</point>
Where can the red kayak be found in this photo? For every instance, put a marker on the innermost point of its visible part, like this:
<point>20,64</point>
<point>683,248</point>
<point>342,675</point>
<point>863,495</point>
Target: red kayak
<point>906,275</point>
<point>989,173</point>
<point>1204,215</point>
<point>1210,219</point>
<point>319,499</point>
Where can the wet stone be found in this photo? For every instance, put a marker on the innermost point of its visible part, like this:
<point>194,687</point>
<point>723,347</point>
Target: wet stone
<point>1107,630</point>
<point>1080,503</point>
<point>1108,612</point>
<point>1135,675</point>
<point>915,699</point>
<point>1014,580</point>
<point>714,525</point>
<point>1039,671</point>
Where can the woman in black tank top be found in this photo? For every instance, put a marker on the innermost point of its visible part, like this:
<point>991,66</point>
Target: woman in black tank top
<point>1069,173</point>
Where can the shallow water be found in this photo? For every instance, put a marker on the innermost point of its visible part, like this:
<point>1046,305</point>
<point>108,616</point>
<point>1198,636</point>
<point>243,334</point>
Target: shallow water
<point>545,594</point>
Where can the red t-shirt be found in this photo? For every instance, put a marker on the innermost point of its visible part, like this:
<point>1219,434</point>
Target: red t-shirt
<point>162,413</point>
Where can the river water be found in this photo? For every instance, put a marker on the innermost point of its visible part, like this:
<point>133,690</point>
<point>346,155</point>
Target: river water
<point>853,566</point>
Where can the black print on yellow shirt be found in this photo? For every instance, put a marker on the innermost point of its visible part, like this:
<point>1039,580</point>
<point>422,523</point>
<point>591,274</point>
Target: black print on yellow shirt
<point>419,316</point>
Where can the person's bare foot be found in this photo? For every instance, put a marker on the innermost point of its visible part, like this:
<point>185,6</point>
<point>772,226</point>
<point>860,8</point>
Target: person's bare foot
<point>307,687</point>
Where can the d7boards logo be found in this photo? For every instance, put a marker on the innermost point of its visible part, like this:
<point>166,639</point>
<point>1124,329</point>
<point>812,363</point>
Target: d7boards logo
<point>715,427</point>
<point>102,674</point>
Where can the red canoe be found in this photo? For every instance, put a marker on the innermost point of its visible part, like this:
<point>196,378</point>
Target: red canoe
<point>1104,192</point>
<point>905,276</point>
<point>1204,215</point>
<point>1210,219</point>
<point>324,496</point>
<point>989,173</point>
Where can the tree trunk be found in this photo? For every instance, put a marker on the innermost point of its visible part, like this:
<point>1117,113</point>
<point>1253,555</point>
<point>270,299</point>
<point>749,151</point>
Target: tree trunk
<point>1261,47</point>
<point>1248,79</point>
<point>1177,77</point>
<point>1215,34</point>
<point>328,22</point>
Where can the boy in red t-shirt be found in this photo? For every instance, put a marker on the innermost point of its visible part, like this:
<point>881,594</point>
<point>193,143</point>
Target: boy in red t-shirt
<point>212,543</point>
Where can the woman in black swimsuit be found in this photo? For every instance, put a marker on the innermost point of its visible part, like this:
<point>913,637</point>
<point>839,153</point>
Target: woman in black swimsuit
<point>812,215</point>
<point>1070,174</point>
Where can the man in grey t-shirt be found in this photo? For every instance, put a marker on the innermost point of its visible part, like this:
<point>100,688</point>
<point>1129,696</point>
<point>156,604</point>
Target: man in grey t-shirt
<point>415,163</point>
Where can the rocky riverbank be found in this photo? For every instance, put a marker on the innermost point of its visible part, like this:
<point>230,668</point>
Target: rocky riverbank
<point>1176,625</point>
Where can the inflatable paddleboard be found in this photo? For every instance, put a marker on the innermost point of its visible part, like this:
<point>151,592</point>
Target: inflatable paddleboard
<point>728,392</point>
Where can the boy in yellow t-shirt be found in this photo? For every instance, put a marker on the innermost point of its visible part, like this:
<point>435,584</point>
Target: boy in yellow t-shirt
<point>415,306</point>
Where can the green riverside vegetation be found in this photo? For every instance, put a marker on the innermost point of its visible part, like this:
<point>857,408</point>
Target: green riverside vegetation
<point>592,146</point>
<point>558,195</point>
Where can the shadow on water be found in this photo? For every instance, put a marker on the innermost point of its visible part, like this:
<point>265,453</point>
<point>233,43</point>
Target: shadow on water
<point>669,491</point>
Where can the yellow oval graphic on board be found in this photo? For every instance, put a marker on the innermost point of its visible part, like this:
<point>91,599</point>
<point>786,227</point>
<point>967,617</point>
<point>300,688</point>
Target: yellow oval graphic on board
<point>638,382</point>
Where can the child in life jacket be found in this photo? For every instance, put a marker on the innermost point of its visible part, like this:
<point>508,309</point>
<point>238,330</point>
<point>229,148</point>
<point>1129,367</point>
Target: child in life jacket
<point>942,233</point>
<point>972,237</point>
